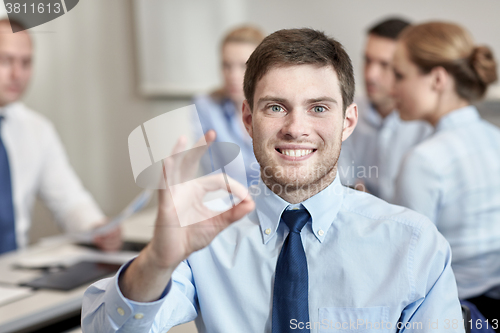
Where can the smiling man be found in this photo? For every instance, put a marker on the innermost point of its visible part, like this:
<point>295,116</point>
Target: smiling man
<point>305,254</point>
<point>300,128</point>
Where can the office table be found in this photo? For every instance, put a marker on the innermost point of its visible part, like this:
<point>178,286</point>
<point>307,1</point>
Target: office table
<point>44,307</point>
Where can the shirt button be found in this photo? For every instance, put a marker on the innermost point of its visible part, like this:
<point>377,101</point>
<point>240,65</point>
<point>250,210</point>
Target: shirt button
<point>267,231</point>
<point>139,316</point>
<point>120,311</point>
<point>321,232</point>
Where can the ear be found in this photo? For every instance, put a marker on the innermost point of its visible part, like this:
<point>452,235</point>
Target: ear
<point>350,120</point>
<point>247,116</point>
<point>440,78</point>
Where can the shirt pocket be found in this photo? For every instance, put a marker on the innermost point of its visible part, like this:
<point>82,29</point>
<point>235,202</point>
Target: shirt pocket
<point>346,320</point>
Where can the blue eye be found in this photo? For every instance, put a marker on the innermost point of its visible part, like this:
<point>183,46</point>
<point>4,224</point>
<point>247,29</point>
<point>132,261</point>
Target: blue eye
<point>276,108</point>
<point>319,109</point>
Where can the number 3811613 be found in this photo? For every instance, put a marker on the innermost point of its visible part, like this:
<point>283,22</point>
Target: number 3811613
<point>41,8</point>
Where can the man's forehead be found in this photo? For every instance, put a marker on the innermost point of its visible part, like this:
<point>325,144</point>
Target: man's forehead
<point>380,45</point>
<point>309,70</point>
<point>281,78</point>
<point>18,39</point>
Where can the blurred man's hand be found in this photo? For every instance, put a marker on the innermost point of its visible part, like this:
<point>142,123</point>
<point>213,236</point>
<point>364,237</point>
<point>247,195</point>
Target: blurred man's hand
<point>111,241</point>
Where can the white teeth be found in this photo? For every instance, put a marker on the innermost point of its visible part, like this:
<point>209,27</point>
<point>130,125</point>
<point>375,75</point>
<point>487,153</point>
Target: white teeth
<point>296,152</point>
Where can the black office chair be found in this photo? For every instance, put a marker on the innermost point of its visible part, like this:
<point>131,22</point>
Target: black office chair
<point>467,318</point>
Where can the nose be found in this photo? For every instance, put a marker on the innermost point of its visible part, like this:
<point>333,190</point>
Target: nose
<point>236,75</point>
<point>17,70</point>
<point>295,125</point>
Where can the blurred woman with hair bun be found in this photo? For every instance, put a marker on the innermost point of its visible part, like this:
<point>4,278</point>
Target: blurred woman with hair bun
<point>453,177</point>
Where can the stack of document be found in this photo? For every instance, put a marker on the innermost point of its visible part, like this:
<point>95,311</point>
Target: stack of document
<point>70,254</point>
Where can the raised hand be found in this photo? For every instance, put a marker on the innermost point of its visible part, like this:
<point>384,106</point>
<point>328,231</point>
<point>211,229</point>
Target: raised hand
<point>172,243</point>
<point>148,275</point>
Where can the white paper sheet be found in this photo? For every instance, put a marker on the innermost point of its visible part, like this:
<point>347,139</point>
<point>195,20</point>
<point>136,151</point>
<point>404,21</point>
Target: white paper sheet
<point>10,294</point>
<point>133,207</point>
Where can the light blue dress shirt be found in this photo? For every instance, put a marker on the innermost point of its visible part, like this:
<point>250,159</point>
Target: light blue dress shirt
<point>370,264</point>
<point>454,179</point>
<point>374,151</point>
<point>223,117</point>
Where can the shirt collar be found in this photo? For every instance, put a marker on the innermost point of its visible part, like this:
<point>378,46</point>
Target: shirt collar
<point>228,107</point>
<point>458,118</point>
<point>7,111</point>
<point>323,208</point>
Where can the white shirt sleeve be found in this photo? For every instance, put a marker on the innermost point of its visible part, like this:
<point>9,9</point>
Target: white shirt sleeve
<point>61,190</point>
<point>105,309</point>
<point>39,167</point>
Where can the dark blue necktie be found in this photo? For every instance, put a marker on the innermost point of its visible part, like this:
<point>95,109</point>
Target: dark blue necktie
<point>290,297</point>
<point>7,226</point>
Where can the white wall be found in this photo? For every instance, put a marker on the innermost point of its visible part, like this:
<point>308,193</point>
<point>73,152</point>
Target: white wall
<point>86,73</point>
<point>179,41</point>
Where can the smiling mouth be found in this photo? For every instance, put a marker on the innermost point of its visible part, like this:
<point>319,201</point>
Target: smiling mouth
<point>295,152</point>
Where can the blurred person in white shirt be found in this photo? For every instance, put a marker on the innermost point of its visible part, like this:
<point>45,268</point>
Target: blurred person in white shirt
<point>34,158</point>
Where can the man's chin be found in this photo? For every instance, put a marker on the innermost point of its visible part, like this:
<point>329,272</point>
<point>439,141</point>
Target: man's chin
<point>285,187</point>
<point>406,116</point>
<point>375,100</point>
<point>281,182</point>
<point>7,101</point>
<point>372,94</point>
<point>293,181</point>
<point>8,97</point>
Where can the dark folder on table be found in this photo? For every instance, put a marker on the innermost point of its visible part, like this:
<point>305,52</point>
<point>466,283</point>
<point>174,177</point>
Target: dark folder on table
<point>74,276</point>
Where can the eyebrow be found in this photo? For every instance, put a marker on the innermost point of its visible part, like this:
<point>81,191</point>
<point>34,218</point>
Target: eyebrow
<point>271,99</point>
<point>322,99</point>
<point>309,101</point>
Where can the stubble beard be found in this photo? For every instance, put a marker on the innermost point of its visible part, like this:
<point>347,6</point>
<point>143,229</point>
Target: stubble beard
<point>296,184</point>
<point>382,101</point>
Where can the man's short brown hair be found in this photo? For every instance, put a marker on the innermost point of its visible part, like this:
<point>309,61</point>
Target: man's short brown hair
<point>389,28</point>
<point>290,47</point>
